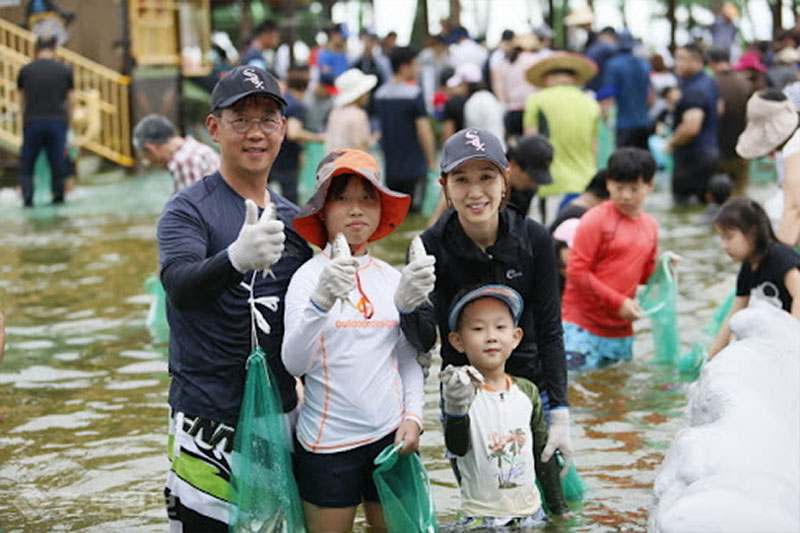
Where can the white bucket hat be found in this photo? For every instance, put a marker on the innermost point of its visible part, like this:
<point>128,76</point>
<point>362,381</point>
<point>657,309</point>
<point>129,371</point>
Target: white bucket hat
<point>351,85</point>
<point>770,123</point>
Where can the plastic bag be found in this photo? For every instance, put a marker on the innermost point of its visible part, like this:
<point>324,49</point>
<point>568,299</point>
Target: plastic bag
<point>264,493</point>
<point>405,492</point>
<point>157,315</point>
<point>572,485</point>
<point>433,190</point>
<point>313,153</point>
<point>659,302</point>
<point>692,361</point>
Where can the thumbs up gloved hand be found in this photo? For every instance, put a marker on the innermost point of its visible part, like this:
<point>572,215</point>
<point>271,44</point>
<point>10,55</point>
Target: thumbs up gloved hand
<point>417,280</point>
<point>458,388</point>
<point>558,438</point>
<point>335,282</point>
<point>260,241</point>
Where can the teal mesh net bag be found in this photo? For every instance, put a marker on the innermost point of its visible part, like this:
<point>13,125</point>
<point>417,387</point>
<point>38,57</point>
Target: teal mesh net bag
<point>157,314</point>
<point>405,492</point>
<point>264,495</point>
<point>692,361</point>
<point>659,302</point>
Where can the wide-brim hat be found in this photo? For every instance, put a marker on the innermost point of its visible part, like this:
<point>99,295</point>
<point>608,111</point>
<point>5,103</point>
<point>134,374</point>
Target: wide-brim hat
<point>351,85</point>
<point>584,68</point>
<point>770,123</point>
<point>579,16</point>
<point>394,205</point>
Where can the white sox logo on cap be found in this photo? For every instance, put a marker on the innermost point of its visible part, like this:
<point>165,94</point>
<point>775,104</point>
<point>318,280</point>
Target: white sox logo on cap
<point>474,140</point>
<point>251,76</point>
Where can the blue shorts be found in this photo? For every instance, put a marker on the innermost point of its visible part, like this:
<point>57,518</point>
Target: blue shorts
<point>342,479</point>
<point>587,350</point>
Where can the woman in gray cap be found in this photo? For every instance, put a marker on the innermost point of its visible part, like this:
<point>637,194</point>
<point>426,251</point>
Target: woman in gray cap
<point>477,240</point>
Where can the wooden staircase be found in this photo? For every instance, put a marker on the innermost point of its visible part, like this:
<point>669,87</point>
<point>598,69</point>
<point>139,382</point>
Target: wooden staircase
<point>101,119</point>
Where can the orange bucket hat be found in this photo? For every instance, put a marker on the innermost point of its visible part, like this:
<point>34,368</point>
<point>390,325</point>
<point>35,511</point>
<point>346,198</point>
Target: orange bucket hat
<point>394,205</point>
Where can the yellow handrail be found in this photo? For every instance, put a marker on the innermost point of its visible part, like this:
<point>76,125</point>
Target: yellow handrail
<point>103,122</point>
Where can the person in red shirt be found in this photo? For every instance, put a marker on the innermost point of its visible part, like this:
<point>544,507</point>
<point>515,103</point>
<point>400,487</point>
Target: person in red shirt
<point>614,251</point>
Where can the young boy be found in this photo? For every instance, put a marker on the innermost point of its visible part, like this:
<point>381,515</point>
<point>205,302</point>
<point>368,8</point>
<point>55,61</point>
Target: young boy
<point>614,251</point>
<point>494,423</point>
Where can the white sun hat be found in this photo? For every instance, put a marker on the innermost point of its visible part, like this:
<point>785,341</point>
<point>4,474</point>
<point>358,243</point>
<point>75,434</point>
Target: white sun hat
<point>351,85</point>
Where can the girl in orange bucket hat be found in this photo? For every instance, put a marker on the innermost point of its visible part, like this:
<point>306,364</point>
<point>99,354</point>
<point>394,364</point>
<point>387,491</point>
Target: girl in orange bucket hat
<point>363,385</point>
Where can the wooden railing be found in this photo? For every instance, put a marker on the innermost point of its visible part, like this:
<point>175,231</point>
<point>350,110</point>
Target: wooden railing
<point>101,119</point>
<point>171,33</point>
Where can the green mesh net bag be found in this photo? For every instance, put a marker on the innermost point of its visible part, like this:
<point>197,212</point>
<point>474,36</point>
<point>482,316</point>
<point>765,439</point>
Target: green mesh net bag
<point>264,494</point>
<point>659,302</point>
<point>572,484</point>
<point>693,360</point>
<point>405,492</point>
<point>157,315</point>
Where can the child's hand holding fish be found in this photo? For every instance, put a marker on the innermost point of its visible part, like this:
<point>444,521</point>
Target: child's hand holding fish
<point>338,278</point>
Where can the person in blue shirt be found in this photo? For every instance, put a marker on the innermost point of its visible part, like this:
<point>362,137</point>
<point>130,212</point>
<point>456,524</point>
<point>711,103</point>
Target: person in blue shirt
<point>629,77</point>
<point>695,139</point>
<point>266,36</point>
<point>214,249</point>
<point>332,59</point>
<point>600,51</point>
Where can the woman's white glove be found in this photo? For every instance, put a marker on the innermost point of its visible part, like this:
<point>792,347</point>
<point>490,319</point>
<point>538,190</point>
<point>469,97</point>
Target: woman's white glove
<point>417,280</point>
<point>558,438</point>
<point>335,282</point>
<point>260,241</point>
<point>458,388</point>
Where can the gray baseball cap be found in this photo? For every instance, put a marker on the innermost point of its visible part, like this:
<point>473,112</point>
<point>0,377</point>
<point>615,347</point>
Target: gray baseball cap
<point>472,143</point>
<point>244,81</point>
<point>504,293</point>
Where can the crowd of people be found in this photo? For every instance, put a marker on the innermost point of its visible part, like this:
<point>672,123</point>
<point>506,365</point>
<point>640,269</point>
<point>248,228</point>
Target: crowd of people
<point>513,303</point>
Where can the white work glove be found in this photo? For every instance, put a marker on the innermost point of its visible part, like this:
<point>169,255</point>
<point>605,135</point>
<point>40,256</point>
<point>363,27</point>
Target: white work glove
<point>260,241</point>
<point>558,438</point>
<point>416,281</point>
<point>335,282</point>
<point>458,388</point>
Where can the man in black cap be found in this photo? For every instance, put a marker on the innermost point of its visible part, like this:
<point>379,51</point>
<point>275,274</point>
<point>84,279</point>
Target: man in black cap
<point>529,162</point>
<point>216,247</point>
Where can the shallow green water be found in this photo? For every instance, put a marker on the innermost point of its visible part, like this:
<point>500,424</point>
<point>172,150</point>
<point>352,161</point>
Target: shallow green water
<point>83,386</point>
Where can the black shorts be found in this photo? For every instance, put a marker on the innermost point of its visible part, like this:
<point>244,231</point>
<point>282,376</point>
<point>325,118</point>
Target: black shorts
<point>342,479</point>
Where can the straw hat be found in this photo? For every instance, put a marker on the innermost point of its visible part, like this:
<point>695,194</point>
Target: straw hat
<point>583,67</point>
<point>394,205</point>
<point>351,85</point>
<point>770,123</point>
<point>579,16</point>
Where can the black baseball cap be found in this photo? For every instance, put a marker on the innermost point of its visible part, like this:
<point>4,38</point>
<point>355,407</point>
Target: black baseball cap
<point>472,143</point>
<point>534,153</point>
<point>244,81</point>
